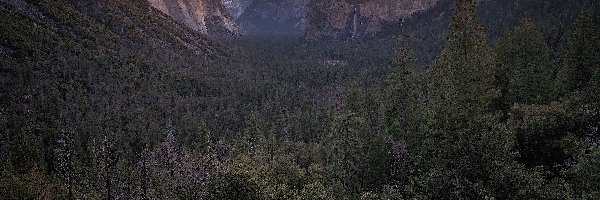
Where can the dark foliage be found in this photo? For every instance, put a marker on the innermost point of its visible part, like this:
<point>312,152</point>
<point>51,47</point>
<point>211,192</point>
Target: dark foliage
<point>112,100</point>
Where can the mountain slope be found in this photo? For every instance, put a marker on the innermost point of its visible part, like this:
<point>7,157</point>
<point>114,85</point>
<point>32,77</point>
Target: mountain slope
<point>268,17</point>
<point>95,69</point>
<point>207,16</point>
<point>236,7</point>
<point>274,17</point>
<point>339,19</point>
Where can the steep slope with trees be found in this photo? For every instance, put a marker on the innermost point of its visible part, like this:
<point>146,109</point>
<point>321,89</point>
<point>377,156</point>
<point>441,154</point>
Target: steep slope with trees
<point>85,86</point>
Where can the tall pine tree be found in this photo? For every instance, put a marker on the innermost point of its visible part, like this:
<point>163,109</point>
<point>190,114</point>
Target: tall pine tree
<point>582,51</point>
<point>467,153</point>
<point>462,84</point>
<point>403,94</point>
<point>525,72</point>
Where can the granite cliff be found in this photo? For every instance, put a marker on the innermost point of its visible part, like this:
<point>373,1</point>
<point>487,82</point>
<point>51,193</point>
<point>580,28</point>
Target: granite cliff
<point>236,7</point>
<point>269,17</point>
<point>321,18</point>
<point>206,16</point>
<point>342,19</point>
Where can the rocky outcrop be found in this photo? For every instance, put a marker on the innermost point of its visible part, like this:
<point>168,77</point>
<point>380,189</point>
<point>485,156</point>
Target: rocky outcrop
<point>206,16</point>
<point>237,7</point>
<point>343,19</point>
<point>274,17</point>
<point>269,17</point>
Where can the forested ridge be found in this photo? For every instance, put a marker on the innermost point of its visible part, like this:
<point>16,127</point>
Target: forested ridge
<point>111,99</point>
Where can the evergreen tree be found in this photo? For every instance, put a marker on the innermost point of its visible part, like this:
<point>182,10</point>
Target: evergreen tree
<point>105,161</point>
<point>232,186</point>
<point>582,64</point>
<point>462,84</point>
<point>64,160</point>
<point>584,175</point>
<point>254,135</point>
<point>344,138</point>
<point>467,153</point>
<point>200,140</point>
<point>582,51</point>
<point>356,157</point>
<point>402,101</point>
<point>525,73</point>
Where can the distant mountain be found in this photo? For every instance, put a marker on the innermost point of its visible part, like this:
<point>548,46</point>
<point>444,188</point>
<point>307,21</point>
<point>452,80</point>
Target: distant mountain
<point>100,25</point>
<point>269,17</point>
<point>236,7</point>
<point>207,16</point>
<point>342,19</point>
<point>345,19</point>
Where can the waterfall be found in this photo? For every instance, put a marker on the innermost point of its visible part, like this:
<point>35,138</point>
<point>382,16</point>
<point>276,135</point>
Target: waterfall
<point>355,21</point>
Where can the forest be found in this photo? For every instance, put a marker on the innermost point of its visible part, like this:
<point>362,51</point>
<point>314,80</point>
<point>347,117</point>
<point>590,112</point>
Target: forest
<point>103,99</point>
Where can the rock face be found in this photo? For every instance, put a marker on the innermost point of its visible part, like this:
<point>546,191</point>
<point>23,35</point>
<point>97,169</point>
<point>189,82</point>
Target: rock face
<point>343,19</point>
<point>334,19</point>
<point>206,16</point>
<point>236,7</point>
<point>269,17</point>
<point>274,17</point>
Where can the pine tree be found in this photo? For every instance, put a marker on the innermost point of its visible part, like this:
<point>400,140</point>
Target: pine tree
<point>462,84</point>
<point>341,145</point>
<point>64,160</point>
<point>582,51</point>
<point>105,161</point>
<point>525,72</point>
<point>254,135</point>
<point>403,94</point>
<point>466,153</point>
<point>584,174</point>
<point>201,140</point>
<point>582,65</point>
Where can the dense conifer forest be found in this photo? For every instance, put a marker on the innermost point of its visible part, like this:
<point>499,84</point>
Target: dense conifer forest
<point>104,99</point>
